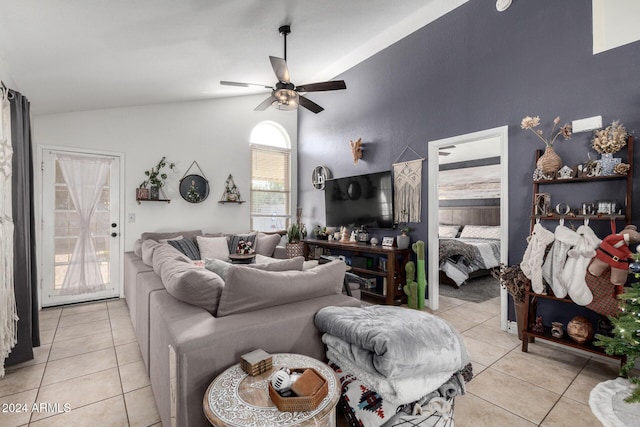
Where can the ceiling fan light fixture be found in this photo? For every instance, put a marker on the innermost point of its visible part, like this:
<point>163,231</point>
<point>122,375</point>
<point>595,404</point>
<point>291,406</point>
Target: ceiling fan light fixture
<point>285,99</point>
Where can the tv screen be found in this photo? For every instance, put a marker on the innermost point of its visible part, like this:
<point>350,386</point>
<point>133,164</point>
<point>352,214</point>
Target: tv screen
<point>360,200</point>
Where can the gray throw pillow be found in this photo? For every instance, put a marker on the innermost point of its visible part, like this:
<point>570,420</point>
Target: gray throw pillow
<point>217,266</point>
<point>250,289</point>
<point>266,243</point>
<point>148,247</point>
<point>187,247</point>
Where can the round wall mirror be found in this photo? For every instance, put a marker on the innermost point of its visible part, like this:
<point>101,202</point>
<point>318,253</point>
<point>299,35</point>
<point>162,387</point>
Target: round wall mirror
<point>194,188</point>
<point>319,175</point>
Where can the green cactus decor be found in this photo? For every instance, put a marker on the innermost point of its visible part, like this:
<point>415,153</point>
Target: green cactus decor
<point>411,288</point>
<point>418,248</point>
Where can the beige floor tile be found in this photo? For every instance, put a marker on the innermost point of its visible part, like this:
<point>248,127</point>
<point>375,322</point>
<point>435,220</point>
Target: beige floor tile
<point>492,336</point>
<point>83,308</point>
<point>471,411</point>
<point>18,408</point>
<point>454,302</point>
<point>117,312</point>
<point>76,346</point>
<point>482,352</point>
<point>489,306</point>
<point>48,323</point>
<point>477,368</point>
<point>117,303</point>
<point>40,355</point>
<point>469,312</point>
<point>50,312</point>
<point>23,379</point>
<point>106,413</point>
<point>46,337</point>
<point>593,373</point>
<point>77,366</point>
<point>89,316</point>
<point>80,391</point>
<point>134,376</point>
<point>494,322</point>
<point>120,322</point>
<point>460,323</point>
<point>128,353</point>
<point>141,407</point>
<point>569,413</point>
<point>123,335</point>
<point>82,330</point>
<point>553,375</point>
<point>515,395</point>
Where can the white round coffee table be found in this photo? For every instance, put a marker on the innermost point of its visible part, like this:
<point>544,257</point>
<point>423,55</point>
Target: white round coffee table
<point>236,399</point>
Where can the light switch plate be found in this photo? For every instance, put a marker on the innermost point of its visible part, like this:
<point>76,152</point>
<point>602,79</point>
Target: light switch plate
<point>585,125</point>
<point>131,217</point>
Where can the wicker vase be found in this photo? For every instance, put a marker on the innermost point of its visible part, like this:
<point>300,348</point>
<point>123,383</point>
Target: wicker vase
<point>549,162</point>
<point>295,249</point>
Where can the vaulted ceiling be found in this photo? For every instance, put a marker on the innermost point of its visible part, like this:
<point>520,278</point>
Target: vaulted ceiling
<point>73,55</point>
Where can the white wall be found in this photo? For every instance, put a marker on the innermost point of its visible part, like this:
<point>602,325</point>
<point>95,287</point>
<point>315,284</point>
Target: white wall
<point>5,76</point>
<point>213,132</point>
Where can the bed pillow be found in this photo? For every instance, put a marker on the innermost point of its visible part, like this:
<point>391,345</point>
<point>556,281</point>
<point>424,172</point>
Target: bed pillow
<point>250,289</point>
<point>448,231</point>
<point>480,232</point>
<point>266,244</point>
<point>213,247</point>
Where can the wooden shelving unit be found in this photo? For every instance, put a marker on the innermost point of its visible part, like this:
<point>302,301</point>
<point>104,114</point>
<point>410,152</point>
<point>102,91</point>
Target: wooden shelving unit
<point>394,275</point>
<point>531,298</point>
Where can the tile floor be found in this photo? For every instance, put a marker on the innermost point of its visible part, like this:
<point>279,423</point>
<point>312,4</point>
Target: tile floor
<point>90,359</point>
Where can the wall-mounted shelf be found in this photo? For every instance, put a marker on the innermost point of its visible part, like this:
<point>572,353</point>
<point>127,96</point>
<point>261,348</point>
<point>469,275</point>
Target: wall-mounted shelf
<point>231,201</point>
<point>153,200</point>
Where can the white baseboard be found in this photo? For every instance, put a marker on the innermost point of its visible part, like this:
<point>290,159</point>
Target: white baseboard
<point>512,327</point>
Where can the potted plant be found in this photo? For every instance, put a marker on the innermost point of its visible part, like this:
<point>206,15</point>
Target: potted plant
<point>294,235</point>
<point>155,180</point>
<point>516,283</point>
<point>403,240</point>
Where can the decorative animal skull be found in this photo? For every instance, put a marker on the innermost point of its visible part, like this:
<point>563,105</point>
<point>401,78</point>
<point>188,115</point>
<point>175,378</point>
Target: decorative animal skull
<point>356,150</point>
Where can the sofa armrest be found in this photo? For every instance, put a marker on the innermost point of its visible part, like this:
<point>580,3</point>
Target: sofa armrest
<point>280,252</point>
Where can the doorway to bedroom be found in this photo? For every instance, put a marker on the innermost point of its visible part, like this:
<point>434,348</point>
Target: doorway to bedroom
<point>469,193</point>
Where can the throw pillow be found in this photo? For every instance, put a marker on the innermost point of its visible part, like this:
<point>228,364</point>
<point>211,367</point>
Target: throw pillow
<point>148,247</point>
<point>448,231</point>
<point>192,285</point>
<point>480,232</point>
<point>234,239</point>
<point>213,247</point>
<point>266,243</point>
<point>250,289</point>
<point>279,265</point>
<point>187,247</point>
<point>137,247</point>
<point>166,253</point>
<point>218,266</point>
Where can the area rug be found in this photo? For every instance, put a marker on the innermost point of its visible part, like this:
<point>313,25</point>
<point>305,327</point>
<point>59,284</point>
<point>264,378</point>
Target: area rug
<point>475,290</point>
<point>607,404</point>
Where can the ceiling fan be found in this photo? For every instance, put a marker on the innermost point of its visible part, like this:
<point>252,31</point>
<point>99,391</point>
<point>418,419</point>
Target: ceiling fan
<point>445,153</point>
<point>286,95</point>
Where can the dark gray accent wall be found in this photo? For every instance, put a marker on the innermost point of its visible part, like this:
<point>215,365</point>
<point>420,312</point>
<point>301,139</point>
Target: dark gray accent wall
<point>473,69</point>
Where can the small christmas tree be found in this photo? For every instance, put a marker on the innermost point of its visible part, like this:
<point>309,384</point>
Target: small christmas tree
<point>193,195</point>
<point>626,333</point>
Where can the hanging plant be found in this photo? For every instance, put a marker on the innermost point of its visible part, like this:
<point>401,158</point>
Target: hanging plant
<point>155,175</point>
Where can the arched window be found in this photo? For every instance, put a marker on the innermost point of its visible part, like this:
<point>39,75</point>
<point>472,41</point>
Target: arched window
<point>270,177</point>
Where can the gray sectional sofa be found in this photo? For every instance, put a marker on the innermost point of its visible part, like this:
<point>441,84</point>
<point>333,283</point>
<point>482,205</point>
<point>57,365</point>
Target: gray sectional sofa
<point>191,324</point>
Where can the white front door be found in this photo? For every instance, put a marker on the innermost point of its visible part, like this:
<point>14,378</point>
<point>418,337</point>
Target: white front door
<point>80,227</point>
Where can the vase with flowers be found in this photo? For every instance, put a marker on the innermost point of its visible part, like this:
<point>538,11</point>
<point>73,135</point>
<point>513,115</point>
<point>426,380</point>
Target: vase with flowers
<point>607,142</point>
<point>549,162</point>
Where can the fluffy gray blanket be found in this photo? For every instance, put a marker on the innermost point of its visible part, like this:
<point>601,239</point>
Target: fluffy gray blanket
<point>395,342</point>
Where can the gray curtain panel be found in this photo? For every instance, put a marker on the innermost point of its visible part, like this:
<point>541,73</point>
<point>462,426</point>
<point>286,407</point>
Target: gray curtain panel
<point>25,274</point>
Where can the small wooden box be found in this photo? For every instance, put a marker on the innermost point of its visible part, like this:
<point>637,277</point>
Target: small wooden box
<point>316,385</point>
<point>256,362</point>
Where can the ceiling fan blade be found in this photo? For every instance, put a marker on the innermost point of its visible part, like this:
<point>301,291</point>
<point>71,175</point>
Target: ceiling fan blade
<point>324,86</point>
<point>280,68</point>
<point>222,82</point>
<point>309,104</point>
<point>265,104</point>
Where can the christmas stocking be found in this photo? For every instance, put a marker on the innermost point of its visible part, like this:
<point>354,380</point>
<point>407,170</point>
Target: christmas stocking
<point>531,264</point>
<point>575,269</point>
<point>565,238</point>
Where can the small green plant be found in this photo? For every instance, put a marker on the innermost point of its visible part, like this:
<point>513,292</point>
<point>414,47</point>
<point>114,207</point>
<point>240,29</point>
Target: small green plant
<point>294,234</point>
<point>155,176</point>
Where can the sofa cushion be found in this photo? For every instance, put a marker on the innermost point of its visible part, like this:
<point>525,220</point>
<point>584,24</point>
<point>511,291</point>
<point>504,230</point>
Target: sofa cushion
<point>192,284</point>
<point>187,247</point>
<point>222,267</point>
<point>249,289</point>
<point>234,239</point>
<point>137,247</point>
<point>148,247</point>
<point>171,235</point>
<point>166,253</point>
<point>213,247</point>
<point>266,243</point>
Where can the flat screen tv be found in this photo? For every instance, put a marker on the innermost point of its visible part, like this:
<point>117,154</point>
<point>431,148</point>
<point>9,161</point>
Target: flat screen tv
<point>360,200</point>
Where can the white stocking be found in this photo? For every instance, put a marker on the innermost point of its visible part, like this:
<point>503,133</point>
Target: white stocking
<point>575,269</point>
<point>531,264</point>
<point>565,238</point>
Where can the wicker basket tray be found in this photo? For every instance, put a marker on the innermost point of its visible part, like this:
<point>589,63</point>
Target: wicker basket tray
<point>301,403</point>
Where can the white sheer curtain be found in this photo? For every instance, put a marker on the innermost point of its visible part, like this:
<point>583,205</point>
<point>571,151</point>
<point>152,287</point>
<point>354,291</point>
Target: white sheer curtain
<point>85,178</point>
<point>8,314</point>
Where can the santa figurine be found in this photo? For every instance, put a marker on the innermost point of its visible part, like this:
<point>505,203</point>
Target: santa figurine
<point>614,252</point>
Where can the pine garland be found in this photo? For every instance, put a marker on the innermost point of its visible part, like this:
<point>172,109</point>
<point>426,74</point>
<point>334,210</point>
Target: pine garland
<point>626,333</point>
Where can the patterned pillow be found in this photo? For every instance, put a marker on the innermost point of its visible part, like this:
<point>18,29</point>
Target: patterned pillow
<point>187,247</point>
<point>480,232</point>
<point>448,231</point>
<point>235,238</point>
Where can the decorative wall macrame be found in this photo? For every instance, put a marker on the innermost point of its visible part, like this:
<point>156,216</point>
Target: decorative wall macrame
<point>8,313</point>
<point>407,183</point>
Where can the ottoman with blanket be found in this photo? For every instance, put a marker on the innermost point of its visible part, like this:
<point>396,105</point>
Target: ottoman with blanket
<point>396,366</point>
